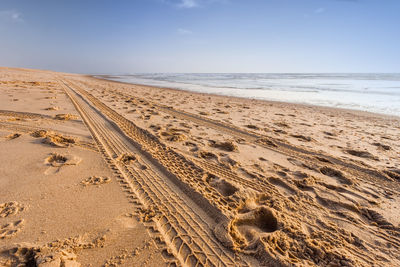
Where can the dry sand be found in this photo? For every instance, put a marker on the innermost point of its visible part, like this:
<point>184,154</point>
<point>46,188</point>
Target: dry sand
<point>100,173</point>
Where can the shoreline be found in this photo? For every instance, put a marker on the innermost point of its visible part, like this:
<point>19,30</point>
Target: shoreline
<point>343,110</point>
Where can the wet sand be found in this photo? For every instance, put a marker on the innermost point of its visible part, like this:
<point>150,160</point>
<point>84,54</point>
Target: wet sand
<point>101,173</point>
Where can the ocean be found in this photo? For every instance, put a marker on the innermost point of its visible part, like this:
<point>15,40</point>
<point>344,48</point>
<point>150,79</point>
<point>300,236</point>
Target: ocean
<point>375,92</point>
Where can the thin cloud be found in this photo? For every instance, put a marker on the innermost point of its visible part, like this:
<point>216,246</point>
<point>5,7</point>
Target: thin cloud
<point>10,16</point>
<point>184,31</point>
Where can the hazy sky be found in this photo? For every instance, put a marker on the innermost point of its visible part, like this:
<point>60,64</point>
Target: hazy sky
<point>111,36</point>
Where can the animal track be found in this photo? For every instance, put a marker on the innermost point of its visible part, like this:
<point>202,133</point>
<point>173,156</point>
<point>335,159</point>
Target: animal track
<point>10,208</point>
<point>95,180</point>
<point>11,229</point>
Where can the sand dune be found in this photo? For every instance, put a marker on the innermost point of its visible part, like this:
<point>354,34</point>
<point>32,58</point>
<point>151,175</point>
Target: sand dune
<point>106,173</point>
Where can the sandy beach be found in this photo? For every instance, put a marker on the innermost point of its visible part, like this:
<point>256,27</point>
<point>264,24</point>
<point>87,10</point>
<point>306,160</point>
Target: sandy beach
<point>103,173</point>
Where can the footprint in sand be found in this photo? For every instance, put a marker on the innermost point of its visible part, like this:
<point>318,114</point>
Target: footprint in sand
<point>59,160</point>
<point>362,154</point>
<point>47,257</point>
<point>173,135</point>
<point>224,188</point>
<point>336,174</point>
<point>54,139</point>
<point>267,142</point>
<point>56,161</point>
<point>248,226</point>
<point>10,229</point>
<point>193,147</point>
<point>207,155</point>
<point>95,180</point>
<point>51,254</point>
<point>10,208</point>
<point>126,158</point>
<point>228,146</point>
<point>376,218</point>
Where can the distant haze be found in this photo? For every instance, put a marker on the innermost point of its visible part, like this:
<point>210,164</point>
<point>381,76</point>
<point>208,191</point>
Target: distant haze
<point>264,36</point>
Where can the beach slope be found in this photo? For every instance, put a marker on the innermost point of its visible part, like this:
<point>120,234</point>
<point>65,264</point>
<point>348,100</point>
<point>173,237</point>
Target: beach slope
<point>114,174</point>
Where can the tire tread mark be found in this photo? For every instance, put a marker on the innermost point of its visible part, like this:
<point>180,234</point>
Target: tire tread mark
<point>191,240</point>
<point>180,166</point>
<point>281,147</point>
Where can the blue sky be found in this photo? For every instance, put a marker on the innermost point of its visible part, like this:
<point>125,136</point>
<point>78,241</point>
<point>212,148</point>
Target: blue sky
<point>111,36</point>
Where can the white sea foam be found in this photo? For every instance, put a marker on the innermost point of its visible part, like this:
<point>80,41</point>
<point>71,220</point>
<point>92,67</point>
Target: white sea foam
<point>379,93</point>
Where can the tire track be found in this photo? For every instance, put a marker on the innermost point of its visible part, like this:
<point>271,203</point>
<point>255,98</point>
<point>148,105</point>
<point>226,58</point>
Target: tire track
<point>312,162</point>
<point>273,144</point>
<point>165,157</point>
<point>258,185</point>
<point>267,142</point>
<point>186,228</point>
